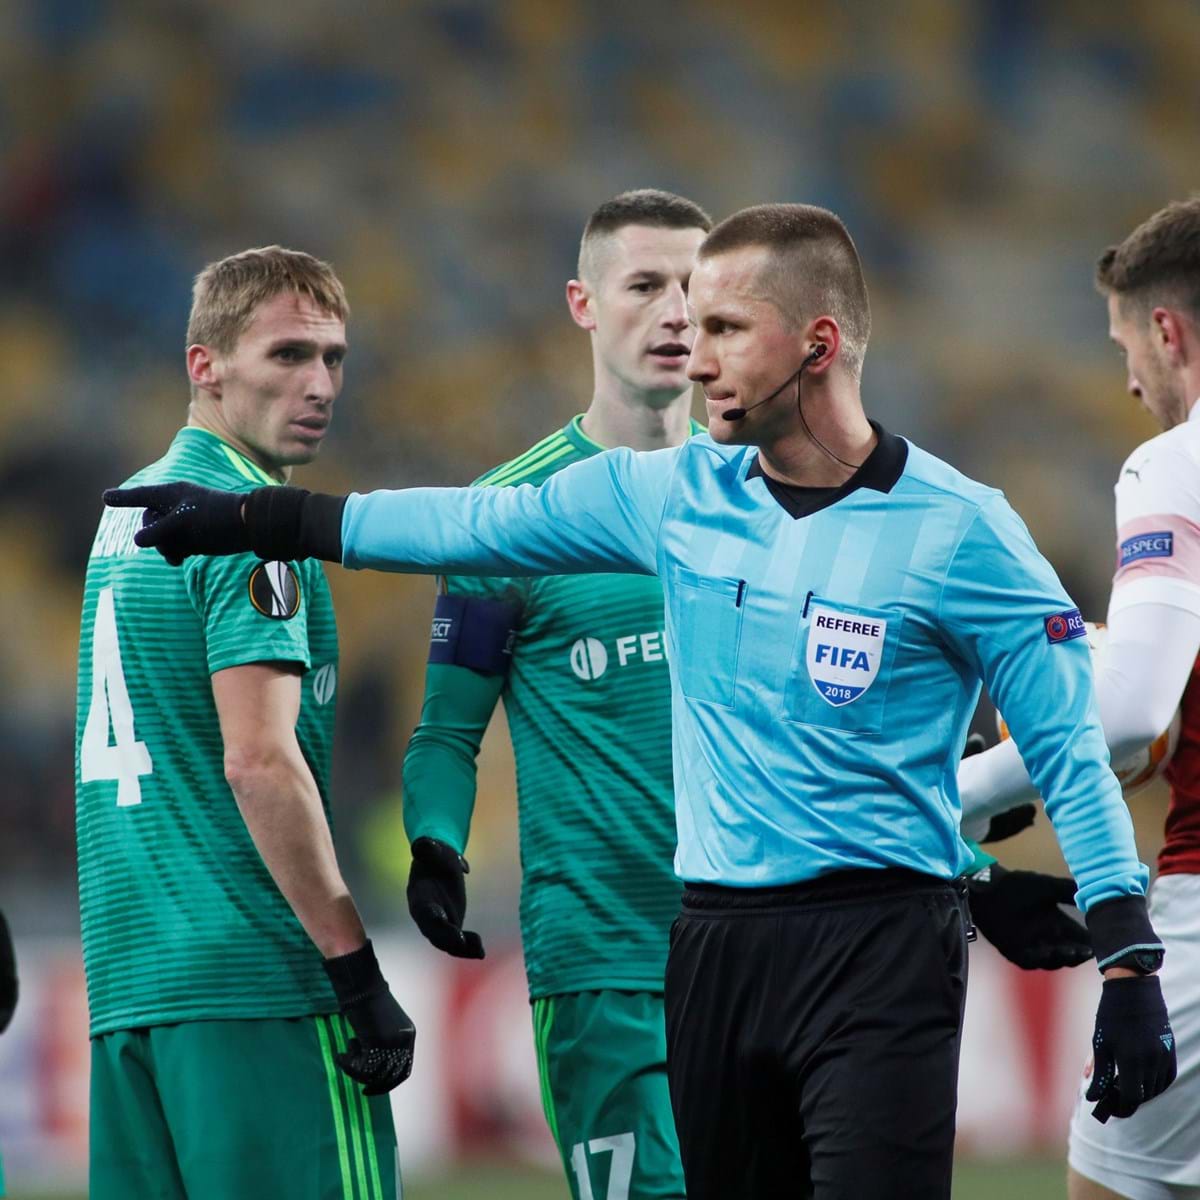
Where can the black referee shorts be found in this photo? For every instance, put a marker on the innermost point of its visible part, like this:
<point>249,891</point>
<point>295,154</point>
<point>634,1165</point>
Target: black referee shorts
<point>813,1036</point>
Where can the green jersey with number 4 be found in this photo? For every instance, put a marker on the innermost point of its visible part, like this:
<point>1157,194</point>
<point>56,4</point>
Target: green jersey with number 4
<point>181,919</point>
<point>588,700</point>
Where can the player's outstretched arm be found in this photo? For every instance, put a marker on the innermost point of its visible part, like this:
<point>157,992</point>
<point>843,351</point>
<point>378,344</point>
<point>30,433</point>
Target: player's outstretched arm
<point>8,975</point>
<point>258,705</point>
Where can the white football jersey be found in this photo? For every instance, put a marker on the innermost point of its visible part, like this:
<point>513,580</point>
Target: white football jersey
<point>1158,521</point>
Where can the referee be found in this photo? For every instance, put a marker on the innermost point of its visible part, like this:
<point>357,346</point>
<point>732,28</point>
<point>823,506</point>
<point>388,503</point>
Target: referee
<point>834,596</point>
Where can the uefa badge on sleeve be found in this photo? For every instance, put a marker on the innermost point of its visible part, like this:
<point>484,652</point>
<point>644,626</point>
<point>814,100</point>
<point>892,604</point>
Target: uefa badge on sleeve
<point>844,653</point>
<point>1064,626</point>
<point>275,590</point>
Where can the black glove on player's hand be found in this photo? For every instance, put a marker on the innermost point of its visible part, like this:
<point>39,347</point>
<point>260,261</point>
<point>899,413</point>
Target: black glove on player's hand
<point>381,1056</point>
<point>1018,912</point>
<point>1009,824</point>
<point>8,975</point>
<point>437,897</point>
<point>182,519</point>
<point>1133,1047</point>
<point>1006,824</point>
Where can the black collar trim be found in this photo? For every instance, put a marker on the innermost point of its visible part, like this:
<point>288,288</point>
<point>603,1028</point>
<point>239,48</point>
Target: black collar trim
<point>881,472</point>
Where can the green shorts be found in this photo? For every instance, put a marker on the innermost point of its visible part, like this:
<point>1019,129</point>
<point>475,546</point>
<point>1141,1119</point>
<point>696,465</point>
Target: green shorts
<point>243,1110</point>
<point>602,1058</point>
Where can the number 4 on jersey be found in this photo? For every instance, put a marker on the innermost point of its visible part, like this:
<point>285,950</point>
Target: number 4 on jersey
<point>125,759</point>
<point>622,1148</point>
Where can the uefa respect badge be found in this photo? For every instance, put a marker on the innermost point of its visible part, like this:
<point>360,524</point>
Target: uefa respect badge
<point>844,653</point>
<point>1064,626</point>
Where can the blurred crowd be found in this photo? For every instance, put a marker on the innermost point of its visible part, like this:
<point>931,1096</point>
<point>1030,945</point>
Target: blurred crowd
<point>444,155</point>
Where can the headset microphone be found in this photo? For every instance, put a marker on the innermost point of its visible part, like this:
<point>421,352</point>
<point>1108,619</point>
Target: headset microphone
<point>737,414</point>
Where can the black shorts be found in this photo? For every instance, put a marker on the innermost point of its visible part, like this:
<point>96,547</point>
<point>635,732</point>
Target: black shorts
<point>813,1036</point>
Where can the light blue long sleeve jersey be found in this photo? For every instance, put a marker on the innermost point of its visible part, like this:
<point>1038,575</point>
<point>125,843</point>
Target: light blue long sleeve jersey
<point>824,668</point>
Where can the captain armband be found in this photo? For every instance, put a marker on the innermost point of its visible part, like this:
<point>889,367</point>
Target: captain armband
<point>475,632</point>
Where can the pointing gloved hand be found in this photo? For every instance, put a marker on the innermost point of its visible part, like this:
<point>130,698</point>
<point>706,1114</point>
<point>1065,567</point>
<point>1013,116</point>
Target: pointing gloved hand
<point>1019,913</point>
<point>437,897</point>
<point>277,523</point>
<point>182,519</point>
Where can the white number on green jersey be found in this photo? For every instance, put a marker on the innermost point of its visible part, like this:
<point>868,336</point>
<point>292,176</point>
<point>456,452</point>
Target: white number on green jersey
<point>620,1171</point>
<point>126,759</point>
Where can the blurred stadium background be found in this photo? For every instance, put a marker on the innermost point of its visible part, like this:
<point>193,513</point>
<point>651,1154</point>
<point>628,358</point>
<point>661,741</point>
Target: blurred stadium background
<point>444,155</point>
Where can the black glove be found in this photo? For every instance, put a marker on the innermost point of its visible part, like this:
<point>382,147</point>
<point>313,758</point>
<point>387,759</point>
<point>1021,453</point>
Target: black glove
<point>1133,1047</point>
<point>8,975</point>
<point>975,744</point>
<point>437,897</point>
<point>1018,912</point>
<point>1006,824</point>
<point>280,524</point>
<point>381,1056</point>
<point>184,518</point>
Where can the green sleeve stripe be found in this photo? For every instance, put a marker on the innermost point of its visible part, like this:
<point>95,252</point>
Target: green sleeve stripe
<point>532,468</point>
<point>246,468</point>
<point>543,1019</point>
<point>331,1073</point>
<point>533,450</point>
<point>350,1087</point>
<point>369,1137</point>
<point>527,464</point>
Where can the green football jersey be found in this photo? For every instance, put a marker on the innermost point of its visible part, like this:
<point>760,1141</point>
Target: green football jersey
<point>181,919</point>
<point>588,701</point>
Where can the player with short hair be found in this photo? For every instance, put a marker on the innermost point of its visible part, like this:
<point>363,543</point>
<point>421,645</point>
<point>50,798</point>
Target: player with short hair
<point>833,596</point>
<point>227,967</point>
<point>581,666</point>
<point>1151,283</point>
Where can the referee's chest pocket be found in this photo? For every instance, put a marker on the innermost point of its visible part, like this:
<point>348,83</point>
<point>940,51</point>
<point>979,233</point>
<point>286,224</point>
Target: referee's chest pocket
<point>841,666</point>
<point>709,623</point>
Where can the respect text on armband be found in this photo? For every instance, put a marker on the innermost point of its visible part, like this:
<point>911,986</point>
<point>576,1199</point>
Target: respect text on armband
<point>1160,544</point>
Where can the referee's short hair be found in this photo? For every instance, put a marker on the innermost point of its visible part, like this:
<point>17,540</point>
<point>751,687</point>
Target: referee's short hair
<point>1158,263</point>
<point>642,206</point>
<point>812,269</point>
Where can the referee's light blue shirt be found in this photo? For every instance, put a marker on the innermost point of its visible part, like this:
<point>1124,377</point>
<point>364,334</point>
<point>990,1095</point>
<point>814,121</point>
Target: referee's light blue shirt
<point>824,668</point>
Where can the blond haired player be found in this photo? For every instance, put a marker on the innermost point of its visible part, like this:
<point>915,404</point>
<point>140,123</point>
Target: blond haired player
<point>227,968</point>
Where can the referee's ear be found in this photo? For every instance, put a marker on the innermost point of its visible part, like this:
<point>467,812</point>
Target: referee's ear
<point>579,301</point>
<point>824,331</point>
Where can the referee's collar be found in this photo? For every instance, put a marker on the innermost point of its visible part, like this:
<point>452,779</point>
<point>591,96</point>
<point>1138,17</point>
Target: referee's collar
<point>880,472</point>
